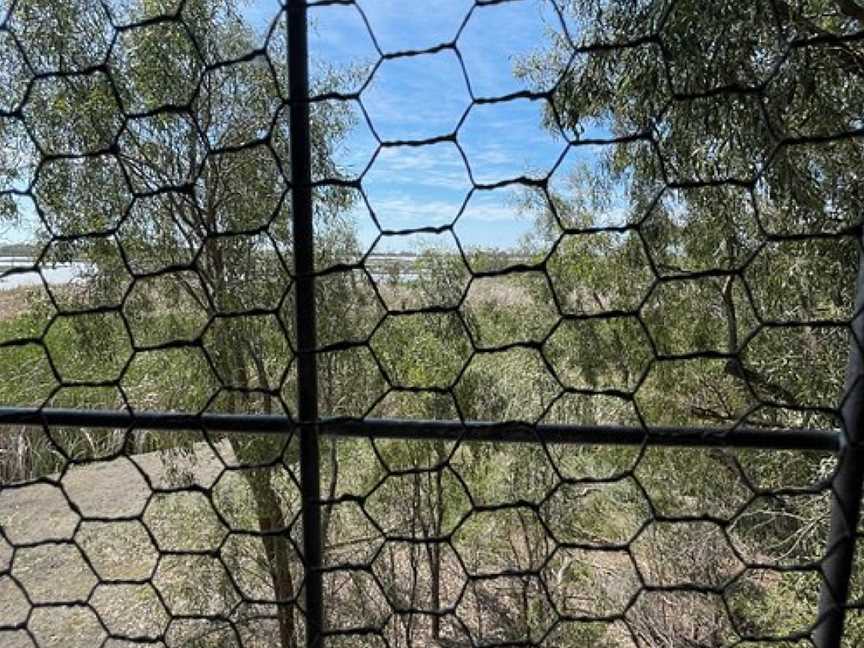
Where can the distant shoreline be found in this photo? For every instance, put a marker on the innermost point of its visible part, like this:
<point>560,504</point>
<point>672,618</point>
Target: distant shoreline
<point>19,250</point>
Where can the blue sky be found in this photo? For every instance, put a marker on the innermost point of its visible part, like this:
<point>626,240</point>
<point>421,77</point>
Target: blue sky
<point>425,96</point>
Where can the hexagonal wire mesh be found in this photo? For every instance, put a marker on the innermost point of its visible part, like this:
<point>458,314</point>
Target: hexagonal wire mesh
<point>570,283</point>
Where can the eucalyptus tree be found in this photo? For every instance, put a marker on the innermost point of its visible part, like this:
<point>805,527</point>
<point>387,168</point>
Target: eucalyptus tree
<point>733,156</point>
<point>150,138</point>
<point>717,228</point>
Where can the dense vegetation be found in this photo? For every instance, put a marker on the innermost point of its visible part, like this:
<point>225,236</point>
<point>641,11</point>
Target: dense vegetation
<point>719,299</point>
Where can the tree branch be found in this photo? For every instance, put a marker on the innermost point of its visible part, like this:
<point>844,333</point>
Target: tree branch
<point>851,9</point>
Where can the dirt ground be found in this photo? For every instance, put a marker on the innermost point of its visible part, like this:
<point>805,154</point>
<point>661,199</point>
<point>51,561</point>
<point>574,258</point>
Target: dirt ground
<point>102,566</point>
<point>12,303</point>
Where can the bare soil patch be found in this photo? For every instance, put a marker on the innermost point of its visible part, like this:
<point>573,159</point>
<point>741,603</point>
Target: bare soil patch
<point>13,302</point>
<point>79,539</point>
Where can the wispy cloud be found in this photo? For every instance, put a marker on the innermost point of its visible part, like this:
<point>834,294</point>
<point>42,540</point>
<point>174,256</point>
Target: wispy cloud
<point>507,140</point>
<point>417,97</point>
<point>407,212</point>
<point>425,96</point>
<point>498,37</point>
<point>399,25</point>
<point>437,165</point>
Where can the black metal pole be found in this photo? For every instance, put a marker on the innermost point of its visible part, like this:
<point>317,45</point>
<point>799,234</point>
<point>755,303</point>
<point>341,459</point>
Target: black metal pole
<point>845,489</point>
<point>420,430</point>
<point>304,270</point>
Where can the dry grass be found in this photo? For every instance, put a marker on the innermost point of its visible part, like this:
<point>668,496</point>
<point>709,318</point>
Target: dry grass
<point>14,302</point>
<point>115,550</point>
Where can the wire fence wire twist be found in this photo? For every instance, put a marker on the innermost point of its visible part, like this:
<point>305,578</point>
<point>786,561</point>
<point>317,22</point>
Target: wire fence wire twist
<point>627,433</point>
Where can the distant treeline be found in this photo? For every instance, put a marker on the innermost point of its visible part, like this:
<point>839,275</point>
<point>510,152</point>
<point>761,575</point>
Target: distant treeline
<point>18,250</point>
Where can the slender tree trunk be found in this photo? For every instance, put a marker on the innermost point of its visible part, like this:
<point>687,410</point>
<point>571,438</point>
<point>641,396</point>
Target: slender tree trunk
<point>268,508</point>
<point>279,555</point>
<point>435,567</point>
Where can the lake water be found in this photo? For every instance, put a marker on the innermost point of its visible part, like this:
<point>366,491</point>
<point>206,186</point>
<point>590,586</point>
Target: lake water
<point>16,272</point>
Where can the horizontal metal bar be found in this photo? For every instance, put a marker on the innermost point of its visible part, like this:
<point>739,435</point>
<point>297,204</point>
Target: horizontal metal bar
<point>515,432</point>
<point>472,431</point>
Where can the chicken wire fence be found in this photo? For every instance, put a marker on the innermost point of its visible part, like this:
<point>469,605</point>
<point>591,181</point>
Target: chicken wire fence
<point>491,323</point>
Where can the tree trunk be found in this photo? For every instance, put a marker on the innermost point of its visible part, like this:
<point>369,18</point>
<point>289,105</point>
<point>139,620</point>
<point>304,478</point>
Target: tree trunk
<point>272,523</point>
<point>435,567</point>
<point>271,517</point>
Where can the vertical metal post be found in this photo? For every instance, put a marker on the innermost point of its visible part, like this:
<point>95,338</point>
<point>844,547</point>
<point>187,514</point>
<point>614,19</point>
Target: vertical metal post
<point>304,264</point>
<point>846,487</point>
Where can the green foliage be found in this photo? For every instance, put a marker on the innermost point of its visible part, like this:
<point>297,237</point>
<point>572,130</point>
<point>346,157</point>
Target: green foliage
<point>422,351</point>
<point>208,322</point>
